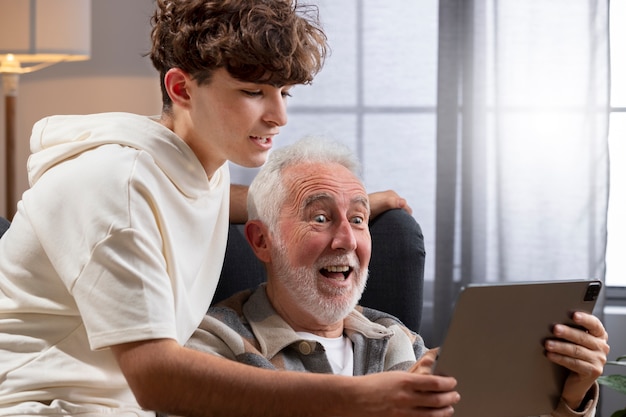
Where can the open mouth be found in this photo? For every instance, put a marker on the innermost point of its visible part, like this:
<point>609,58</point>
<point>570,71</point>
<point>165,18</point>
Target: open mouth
<point>261,140</point>
<point>336,272</point>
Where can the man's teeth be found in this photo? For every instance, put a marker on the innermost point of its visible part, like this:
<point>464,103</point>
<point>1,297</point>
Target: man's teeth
<point>343,268</point>
<point>336,272</point>
<point>262,140</point>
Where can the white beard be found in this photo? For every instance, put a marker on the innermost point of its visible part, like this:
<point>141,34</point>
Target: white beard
<point>327,303</point>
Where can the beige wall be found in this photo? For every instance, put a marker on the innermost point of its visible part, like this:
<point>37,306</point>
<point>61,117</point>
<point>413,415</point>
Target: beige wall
<point>117,78</point>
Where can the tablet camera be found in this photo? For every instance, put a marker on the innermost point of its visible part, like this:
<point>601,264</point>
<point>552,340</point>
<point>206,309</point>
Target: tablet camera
<point>593,290</point>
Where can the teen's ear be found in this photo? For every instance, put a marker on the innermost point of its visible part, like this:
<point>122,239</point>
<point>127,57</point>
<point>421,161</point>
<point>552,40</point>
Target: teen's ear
<point>177,84</point>
<point>258,238</point>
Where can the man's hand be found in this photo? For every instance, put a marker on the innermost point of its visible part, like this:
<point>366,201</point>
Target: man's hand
<point>424,365</point>
<point>382,201</point>
<point>584,353</point>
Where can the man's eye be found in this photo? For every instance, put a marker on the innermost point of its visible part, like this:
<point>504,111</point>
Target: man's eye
<point>357,220</point>
<point>252,93</point>
<point>320,218</point>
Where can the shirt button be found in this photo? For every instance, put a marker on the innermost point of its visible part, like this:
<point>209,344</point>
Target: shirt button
<point>305,348</point>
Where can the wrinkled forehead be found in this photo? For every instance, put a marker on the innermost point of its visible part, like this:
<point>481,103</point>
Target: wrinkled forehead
<point>308,182</point>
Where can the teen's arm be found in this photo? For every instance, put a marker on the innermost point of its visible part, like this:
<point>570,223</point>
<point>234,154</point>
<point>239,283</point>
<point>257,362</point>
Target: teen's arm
<point>238,209</point>
<point>169,378</point>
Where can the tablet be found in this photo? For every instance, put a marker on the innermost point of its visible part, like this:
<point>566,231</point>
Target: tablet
<point>494,345</point>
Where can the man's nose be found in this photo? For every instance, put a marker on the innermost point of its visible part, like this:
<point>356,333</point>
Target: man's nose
<point>344,237</point>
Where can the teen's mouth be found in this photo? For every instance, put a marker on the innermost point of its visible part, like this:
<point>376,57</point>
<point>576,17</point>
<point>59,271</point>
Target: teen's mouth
<point>262,140</point>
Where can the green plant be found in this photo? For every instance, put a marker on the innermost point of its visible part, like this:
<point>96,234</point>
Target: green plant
<point>616,382</point>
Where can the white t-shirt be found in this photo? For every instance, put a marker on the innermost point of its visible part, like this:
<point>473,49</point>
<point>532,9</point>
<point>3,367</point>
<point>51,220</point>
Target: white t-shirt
<point>339,351</point>
<point>120,238</point>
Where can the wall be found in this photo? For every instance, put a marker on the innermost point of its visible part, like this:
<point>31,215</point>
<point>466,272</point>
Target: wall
<point>117,78</point>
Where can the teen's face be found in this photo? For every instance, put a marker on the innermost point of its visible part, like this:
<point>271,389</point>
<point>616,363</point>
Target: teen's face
<point>321,254</point>
<point>235,120</point>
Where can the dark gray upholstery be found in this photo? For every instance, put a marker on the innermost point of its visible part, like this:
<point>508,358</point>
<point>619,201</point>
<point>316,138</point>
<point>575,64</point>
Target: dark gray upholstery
<point>396,277</point>
<point>4,225</point>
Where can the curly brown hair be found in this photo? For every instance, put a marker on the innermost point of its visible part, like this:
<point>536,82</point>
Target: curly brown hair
<point>277,42</point>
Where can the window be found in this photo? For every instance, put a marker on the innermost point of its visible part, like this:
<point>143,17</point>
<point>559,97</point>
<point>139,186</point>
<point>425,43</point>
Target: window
<point>377,92</point>
<point>616,262</point>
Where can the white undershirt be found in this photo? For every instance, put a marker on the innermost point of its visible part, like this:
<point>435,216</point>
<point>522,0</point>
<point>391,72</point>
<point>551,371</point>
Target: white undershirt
<point>338,350</point>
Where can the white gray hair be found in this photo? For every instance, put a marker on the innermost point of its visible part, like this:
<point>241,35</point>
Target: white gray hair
<point>267,192</point>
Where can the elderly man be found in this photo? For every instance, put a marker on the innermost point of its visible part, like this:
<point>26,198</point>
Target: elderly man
<point>310,228</point>
<point>308,225</point>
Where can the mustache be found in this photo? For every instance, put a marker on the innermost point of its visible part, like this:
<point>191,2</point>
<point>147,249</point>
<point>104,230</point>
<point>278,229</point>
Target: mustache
<point>349,259</point>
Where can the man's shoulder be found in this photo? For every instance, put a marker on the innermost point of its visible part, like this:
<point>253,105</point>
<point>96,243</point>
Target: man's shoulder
<point>379,317</point>
<point>231,306</point>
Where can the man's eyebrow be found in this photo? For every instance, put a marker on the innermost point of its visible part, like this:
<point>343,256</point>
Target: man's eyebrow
<point>315,198</point>
<point>312,199</point>
<point>362,200</point>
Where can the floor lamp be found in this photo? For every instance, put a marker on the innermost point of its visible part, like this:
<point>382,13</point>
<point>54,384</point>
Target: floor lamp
<point>35,34</point>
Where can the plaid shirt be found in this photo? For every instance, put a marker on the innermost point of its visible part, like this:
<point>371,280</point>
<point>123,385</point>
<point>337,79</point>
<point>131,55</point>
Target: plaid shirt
<point>247,329</point>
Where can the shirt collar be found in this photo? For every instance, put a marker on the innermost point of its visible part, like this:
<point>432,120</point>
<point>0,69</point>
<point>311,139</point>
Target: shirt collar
<point>274,334</point>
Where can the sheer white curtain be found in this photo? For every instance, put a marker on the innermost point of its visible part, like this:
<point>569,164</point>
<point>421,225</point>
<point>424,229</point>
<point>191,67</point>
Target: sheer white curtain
<point>489,116</point>
<point>523,116</point>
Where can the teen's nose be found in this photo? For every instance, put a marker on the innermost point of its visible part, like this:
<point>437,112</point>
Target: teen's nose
<point>276,110</point>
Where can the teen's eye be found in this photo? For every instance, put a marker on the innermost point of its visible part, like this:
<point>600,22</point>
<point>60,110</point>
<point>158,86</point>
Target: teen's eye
<point>285,93</point>
<point>252,93</point>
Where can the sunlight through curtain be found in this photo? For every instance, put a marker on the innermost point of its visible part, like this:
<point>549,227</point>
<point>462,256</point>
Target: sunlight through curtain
<point>522,156</point>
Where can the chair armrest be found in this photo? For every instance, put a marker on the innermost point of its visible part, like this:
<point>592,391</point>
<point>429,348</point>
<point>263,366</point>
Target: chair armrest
<point>396,281</point>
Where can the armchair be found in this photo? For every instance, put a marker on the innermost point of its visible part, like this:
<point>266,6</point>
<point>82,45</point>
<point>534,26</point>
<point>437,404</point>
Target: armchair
<point>4,225</point>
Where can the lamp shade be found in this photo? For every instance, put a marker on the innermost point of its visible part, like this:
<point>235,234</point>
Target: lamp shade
<point>35,31</point>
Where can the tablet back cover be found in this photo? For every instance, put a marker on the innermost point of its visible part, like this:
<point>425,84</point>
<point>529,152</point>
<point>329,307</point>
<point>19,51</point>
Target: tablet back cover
<point>494,345</point>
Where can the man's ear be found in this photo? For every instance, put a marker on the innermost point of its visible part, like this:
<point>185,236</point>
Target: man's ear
<point>258,238</point>
<point>176,83</point>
